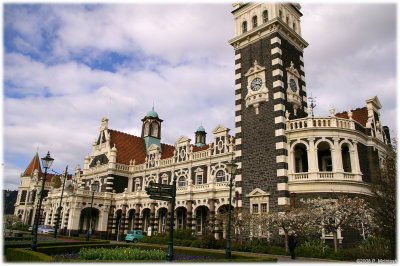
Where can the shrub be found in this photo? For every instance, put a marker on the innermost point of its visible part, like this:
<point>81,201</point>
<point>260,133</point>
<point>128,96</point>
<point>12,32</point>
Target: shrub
<point>185,234</point>
<point>208,241</point>
<point>23,254</point>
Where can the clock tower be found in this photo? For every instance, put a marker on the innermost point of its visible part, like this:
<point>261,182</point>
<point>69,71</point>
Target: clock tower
<point>269,88</point>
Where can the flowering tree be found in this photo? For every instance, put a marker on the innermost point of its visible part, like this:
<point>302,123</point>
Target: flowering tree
<point>335,213</point>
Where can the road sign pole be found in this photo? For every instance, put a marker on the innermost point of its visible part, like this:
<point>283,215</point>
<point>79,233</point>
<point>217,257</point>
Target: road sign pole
<point>170,251</point>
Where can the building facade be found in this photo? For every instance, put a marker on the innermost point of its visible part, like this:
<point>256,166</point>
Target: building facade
<point>281,149</point>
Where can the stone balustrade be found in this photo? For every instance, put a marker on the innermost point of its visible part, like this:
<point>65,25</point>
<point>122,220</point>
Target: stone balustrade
<point>319,122</point>
<point>321,176</point>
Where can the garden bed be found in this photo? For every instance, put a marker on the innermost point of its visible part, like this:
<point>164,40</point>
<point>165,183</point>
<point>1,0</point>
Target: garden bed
<point>68,253</point>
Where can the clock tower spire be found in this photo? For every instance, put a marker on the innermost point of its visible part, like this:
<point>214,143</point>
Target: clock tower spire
<point>269,82</point>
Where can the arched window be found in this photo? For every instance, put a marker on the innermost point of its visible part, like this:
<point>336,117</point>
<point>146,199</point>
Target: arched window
<point>182,181</point>
<point>324,157</point>
<point>265,16</point>
<point>254,21</point>
<point>300,158</point>
<point>220,176</point>
<point>244,26</point>
<point>154,130</point>
<point>346,160</point>
<point>146,129</point>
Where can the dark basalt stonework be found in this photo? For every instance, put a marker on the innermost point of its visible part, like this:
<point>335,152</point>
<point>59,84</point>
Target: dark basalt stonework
<point>259,167</point>
<point>369,162</point>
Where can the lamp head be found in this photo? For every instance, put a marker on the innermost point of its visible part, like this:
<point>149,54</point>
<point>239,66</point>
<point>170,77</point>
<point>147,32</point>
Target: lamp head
<point>94,186</point>
<point>231,168</point>
<point>47,161</point>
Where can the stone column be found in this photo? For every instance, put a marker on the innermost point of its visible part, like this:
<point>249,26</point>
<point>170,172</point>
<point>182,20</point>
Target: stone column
<point>189,214</point>
<point>355,168</point>
<point>337,157</point>
<point>212,216</point>
<point>110,222</point>
<point>152,217</point>
<point>312,156</point>
<point>136,225</point>
<point>123,222</point>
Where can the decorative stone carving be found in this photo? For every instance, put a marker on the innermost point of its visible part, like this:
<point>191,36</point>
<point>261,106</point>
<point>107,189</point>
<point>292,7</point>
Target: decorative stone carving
<point>257,92</point>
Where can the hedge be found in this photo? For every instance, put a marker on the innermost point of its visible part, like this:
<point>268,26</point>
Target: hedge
<point>23,254</point>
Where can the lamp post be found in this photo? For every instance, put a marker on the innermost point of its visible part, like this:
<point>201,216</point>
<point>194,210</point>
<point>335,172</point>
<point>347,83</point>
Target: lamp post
<point>59,207</point>
<point>46,163</point>
<point>231,169</point>
<point>94,186</point>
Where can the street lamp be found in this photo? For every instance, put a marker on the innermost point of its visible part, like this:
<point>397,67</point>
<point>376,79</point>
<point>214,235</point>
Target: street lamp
<point>46,163</point>
<point>94,186</point>
<point>231,169</point>
<point>59,207</point>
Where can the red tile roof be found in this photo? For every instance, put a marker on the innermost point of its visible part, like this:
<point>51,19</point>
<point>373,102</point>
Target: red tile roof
<point>360,115</point>
<point>130,147</point>
<point>196,148</point>
<point>33,165</point>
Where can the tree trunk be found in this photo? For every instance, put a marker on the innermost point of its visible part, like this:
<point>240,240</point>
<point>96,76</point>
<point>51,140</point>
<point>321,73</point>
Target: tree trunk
<point>335,239</point>
<point>286,241</point>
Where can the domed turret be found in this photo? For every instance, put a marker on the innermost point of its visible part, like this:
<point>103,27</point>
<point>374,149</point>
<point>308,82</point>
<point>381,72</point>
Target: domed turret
<point>151,129</point>
<point>200,136</point>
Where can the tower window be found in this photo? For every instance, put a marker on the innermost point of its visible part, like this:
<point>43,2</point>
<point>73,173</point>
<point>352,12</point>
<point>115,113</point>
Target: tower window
<point>294,26</point>
<point>147,129</point>
<point>220,176</point>
<point>154,130</point>
<point>244,26</point>
<point>265,16</point>
<point>254,21</point>
<point>181,181</point>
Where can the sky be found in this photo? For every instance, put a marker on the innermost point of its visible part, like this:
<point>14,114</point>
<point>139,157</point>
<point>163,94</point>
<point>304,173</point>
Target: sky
<point>68,65</point>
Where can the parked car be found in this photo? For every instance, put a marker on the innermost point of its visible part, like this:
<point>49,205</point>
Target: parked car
<point>45,229</point>
<point>134,236</point>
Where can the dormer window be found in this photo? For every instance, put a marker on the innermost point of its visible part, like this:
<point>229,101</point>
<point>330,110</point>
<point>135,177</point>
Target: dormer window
<point>254,21</point>
<point>244,26</point>
<point>220,176</point>
<point>265,16</point>
<point>182,181</point>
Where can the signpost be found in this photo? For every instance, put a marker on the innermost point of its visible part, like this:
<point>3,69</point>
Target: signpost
<point>158,191</point>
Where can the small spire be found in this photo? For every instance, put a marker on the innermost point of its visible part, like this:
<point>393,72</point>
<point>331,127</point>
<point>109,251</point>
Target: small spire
<point>153,106</point>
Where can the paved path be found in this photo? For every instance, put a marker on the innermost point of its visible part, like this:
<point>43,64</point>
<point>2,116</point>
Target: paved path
<point>281,258</point>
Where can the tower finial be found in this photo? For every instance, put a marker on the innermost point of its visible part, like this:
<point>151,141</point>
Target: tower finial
<point>153,106</point>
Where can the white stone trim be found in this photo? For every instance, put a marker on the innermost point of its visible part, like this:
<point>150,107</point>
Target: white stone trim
<point>238,153</point>
<point>304,99</point>
<point>276,50</point>
<point>279,119</point>
<point>279,107</point>
<point>238,107</point>
<point>238,118</point>
<point>238,177</point>
<point>279,132</point>
<point>302,68</point>
<point>277,61</point>
<point>280,145</point>
<point>238,86</point>
<point>238,141</point>
<point>278,83</point>
<point>277,72</point>
<point>237,56</point>
<point>281,172</point>
<point>301,58</point>
<point>238,96</point>
<point>304,88</point>
<point>238,129</point>
<point>275,39</point>
<point>281,159</point>
<point>303,78</point>
<point>283,186</point>
<point>239,165</point>
<point>283,201</point>
<point>237,66</point>
<point>279,95</point>
<point>238,76</point>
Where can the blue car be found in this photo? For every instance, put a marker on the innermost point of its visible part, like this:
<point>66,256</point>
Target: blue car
<point>134,236</point>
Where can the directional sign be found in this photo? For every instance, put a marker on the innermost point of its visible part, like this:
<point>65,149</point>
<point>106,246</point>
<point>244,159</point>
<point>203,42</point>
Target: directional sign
<point>159,185</point>
<point>160,198</point>
<point>157,190</point>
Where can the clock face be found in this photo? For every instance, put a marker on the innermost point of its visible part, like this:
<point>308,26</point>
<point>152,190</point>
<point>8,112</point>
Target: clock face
<point>293,85</point>
<point>256,84</point>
